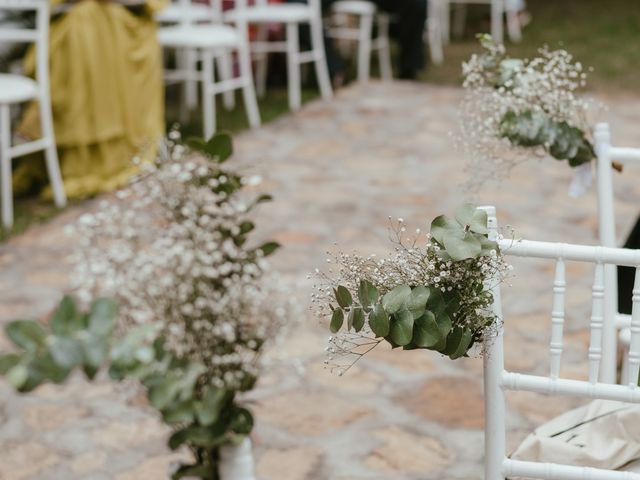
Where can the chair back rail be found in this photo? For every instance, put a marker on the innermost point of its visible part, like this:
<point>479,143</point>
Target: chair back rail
<point>497,379</point>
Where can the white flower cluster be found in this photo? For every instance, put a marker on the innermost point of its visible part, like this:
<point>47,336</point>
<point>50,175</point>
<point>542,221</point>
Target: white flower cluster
<point>496,84</point>
<point>417,261</point>
<point>171,249</point>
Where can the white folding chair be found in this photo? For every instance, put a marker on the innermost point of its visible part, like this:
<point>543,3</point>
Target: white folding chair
<point>366,14</point>
<point>606,155</point>
<point>211,42</point>
<point>291,15</point>
<point>498,10</point>
<point>436,10</point>
<point>497,380</point>
<point>16,89</point>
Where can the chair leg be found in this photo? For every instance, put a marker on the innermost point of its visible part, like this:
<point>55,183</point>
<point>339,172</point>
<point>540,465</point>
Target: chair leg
<point>225,67</point>
<point>364,47</point>
<point>191,86</point>
<point>51,155</point>
<point>293,67</point>
<point>497,16</point>
<point>443,17</point>
<point>262,62</point>
<point>384,48</point>
<point>5,167</point>
<point>513,22</point>
<point>322,69</point>
<point>208,95</point>
<point>434,34</point>
<point>248,90</point>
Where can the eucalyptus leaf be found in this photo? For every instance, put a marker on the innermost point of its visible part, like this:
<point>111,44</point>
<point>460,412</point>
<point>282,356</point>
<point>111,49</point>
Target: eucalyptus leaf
<point>379,321</point>
<point>426,332</point>
<point>343,296</point>
<point>26,334</point>
<point>102,317</point>
<point>462,245</point>
<point>417,301</point>
<point>453,341</point>
<point>95,350</point>
<point>65,319</point>
<point>8,361</point>
<point>268,248</point>
<point>401,330</point>
<point>476,219</point>
<point>67,353</point>
<point>394,300</point>
<point>463,347</point>
<point>337,319</point>
<point>443,226</point>
<point>358,318</point>
<point>367,293</point>
<point>17,376</point>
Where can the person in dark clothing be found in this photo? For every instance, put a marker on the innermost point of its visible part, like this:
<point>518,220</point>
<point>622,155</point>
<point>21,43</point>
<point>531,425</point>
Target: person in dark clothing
<point>409,17</point>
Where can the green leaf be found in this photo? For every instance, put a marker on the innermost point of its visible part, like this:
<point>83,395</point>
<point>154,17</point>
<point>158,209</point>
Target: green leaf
<point>195,435</point>
<point>242,421</point>
<point>402,328</point>
<point>367,293</point>
<point>94,350</point>
<point>268,248</point>
<point>453,341</point>
<point>67,353</point>
<point>476,219</point>
<point>208,411</point>
<point>8,361</point>
<point>218,147</point>
<point>463,346</point>
<point>179,412</point>
<point>487,245</point>
<point>164,393</point>
<point>66,319</point>
<point>442,226</point>
<point>102,317</point>
<point>417,301</point>
<point>337,319</point>
<point>357,318</point>
<point>394,300</point>
<point>26,334</point>
<point>379,321</point>
<point>193,471</point>
<point>462,245</point>
<point>343,296</point>
<point>426,332</point>
<point>17,376</point>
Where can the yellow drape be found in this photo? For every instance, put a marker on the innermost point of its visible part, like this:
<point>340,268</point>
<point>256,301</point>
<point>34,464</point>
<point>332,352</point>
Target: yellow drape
<point>107,94</point>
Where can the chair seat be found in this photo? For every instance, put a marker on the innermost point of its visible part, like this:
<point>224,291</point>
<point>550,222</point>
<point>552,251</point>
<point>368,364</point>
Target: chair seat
<point>354,7</point>
<point>16,88</point>
<point>277,13</point>
<point>199,36</point>
<point>174,13</point>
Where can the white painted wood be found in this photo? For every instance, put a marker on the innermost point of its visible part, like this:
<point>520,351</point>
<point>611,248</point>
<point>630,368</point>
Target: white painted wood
<point>212,43</point>
<point>497,379</point>
<point>606,154</point>
<point>16,89</point>
<point>634,342</point>
<point>366,14</point>
<point>290,16</point>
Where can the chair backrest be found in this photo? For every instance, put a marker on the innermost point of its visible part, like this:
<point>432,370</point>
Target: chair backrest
<point>188,19</point>
<point>38,35</point>
<point>497,379</point>
<point>606,155</point>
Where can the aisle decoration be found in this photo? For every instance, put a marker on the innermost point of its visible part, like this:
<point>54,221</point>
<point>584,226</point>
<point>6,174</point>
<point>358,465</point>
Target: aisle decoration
<point>515,108</point>
<point>197,305</point>
<point>434,293</point>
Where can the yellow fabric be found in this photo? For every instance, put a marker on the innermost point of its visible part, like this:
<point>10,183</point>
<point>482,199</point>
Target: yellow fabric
<point>107,94</point>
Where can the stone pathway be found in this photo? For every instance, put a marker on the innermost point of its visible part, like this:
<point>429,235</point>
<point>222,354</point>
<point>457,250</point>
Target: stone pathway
<point>337,170</point>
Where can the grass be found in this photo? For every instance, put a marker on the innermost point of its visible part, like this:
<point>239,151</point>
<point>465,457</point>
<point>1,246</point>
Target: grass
<point>603,35</point>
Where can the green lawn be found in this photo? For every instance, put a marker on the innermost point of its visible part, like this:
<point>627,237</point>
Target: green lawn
<point>603,35</point>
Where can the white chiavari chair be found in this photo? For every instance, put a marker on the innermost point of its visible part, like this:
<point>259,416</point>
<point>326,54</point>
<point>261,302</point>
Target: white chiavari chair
<point>497,380</point>
<point>211,42</point>
<point>607,154</point>
<point>366,14</point>
<point>292,16</point>
<point>16,89</point>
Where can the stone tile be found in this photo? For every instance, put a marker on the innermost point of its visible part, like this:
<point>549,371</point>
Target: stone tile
<point>26,459</point>
<point>52,417</point>
<point>405,453</point>
<point>289,464</point>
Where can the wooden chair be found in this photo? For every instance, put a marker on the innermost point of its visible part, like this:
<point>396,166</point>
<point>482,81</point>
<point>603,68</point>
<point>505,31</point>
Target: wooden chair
<point>497,380</point>
<point>16,89</point>
<point>606,155</point>
<point>209,43</point>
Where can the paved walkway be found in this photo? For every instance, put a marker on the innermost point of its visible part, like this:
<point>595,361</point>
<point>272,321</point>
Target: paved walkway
<point>337,170</point>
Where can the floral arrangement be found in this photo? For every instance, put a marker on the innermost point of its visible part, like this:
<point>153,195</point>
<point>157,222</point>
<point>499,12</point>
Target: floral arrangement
<point>196,302</point>
<point>435,296</point>
<point>514,107</point>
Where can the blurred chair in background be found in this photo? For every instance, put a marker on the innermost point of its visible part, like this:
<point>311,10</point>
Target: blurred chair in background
<point>106,91</point>
<point>15,89</point>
